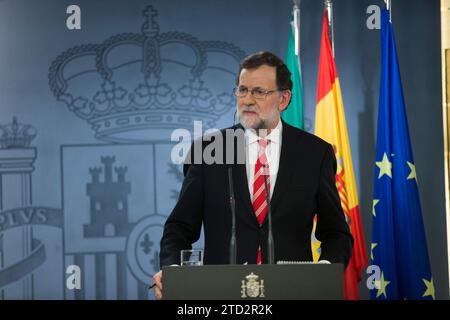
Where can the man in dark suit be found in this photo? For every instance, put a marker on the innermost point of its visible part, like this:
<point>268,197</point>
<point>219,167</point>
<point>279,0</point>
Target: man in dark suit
<point>300,170</point>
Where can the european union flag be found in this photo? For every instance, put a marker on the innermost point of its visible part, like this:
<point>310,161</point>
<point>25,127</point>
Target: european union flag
<point>399,246</point>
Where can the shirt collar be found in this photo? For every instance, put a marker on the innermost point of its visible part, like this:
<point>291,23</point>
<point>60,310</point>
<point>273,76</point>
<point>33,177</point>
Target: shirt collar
<point>274,136</point>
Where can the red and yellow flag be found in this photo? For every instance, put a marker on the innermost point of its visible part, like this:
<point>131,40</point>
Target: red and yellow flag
<point>331,126</point>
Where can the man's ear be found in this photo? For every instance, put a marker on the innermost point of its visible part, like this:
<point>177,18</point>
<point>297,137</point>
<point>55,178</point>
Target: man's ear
<point>285,99</point>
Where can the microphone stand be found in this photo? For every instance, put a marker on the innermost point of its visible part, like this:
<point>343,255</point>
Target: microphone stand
<point>233,249</point>
<point>270,245</point>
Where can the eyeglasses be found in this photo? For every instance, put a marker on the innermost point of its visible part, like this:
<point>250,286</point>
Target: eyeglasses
<point>257,93</point>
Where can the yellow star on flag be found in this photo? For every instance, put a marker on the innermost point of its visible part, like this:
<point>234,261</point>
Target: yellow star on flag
<point>385,167</point>
<point>373,246</point>
<point>382,284</point>
<point>412,174</point>
<point>375,202</point>
<point>430,288</point>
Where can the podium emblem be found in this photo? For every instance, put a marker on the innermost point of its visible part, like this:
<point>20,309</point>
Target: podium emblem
<point>252,287</point>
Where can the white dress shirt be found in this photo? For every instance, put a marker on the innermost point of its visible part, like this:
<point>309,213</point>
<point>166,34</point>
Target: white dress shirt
<point>273,150</point>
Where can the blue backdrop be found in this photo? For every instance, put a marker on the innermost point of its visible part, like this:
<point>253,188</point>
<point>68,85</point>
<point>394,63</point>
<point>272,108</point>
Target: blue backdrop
<point>86,117</point>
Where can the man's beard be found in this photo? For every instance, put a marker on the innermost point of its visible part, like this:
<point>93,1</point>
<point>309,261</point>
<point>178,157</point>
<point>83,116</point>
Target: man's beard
<point>248,123</point>
<point>257,125</point>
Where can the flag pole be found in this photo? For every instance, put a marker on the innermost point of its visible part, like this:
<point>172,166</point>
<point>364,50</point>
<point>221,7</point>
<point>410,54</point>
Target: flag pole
<point>294,114</point>
<point>389,8</point>
<point>296,28</point>
<point>329,8</point>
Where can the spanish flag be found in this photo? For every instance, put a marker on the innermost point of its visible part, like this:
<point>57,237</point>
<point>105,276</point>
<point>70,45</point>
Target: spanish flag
<point>331,126</point>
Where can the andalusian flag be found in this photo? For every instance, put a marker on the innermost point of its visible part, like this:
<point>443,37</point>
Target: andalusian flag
<point>331,126</point>
<point>399,245</point>
<point>293,115</point>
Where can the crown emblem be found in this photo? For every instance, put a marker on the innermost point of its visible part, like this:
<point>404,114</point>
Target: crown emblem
<point>16,135</point>
<point>133,82</point>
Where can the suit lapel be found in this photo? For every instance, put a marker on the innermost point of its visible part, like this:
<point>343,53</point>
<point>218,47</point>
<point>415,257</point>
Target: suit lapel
<point>240,182</point>
<point>288,161</point>
<point>241,185</point>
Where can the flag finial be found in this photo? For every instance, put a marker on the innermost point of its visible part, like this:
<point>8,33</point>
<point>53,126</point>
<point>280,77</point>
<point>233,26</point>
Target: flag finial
<point>329,8</point>
<point>296,26</point>
<point>389,8</point>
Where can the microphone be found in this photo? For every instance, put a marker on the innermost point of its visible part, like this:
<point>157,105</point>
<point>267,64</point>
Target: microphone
<point>233,250</point>
<point>270,245</point>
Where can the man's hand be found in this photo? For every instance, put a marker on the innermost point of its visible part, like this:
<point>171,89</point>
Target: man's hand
<point>157,278</point>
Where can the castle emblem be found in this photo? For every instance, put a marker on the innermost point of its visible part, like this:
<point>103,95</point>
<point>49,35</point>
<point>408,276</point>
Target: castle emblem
<point>108,202</point>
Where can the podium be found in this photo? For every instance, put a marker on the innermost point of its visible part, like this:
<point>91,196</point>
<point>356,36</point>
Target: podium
<point>254,282</point>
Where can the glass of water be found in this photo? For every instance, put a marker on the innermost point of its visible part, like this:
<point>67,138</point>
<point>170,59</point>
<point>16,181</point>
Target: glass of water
<point>193,257</point>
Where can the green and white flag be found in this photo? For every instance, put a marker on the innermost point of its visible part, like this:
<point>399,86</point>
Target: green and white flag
<point>293,115</point>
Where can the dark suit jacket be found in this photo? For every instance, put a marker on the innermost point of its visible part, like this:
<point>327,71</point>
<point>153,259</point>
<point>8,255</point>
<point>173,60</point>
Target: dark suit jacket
<point>305,186</point>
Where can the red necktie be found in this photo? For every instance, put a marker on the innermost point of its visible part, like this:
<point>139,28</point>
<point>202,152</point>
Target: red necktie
<point>259,192</point>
